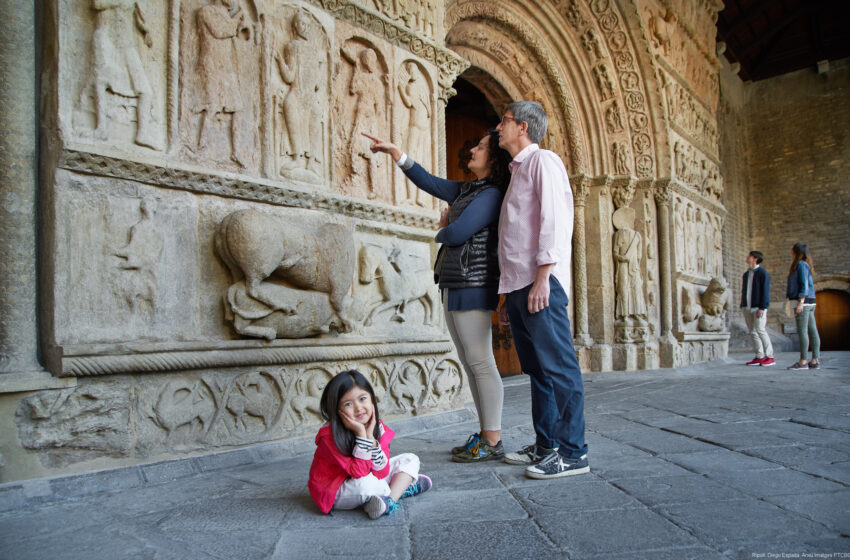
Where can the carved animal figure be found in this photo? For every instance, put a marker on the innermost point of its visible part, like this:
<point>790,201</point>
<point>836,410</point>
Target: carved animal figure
<point>300,253</point>
<point>183,404</point>
<point>252,396</point>
<point>715,301</point>
<point>402,278</point>
<point>407,385</point>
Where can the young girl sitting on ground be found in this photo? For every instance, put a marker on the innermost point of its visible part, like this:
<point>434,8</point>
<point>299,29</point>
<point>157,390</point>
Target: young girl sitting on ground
<point>352,465</point>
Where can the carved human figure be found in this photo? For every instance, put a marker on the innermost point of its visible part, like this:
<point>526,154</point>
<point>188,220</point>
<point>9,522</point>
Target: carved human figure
<point>630,299</point>
<point>140,257</point>
<point>603,82</point>
<point>662,29</point>
<point>416,96</point>
<point>367,87</point>
<point>118,69</point>
<point>613,120</point>
<point>302,67</point>
<point>690,239</point>
<point>219,24</point>
<point>621,158</point>
<point>718,246</point>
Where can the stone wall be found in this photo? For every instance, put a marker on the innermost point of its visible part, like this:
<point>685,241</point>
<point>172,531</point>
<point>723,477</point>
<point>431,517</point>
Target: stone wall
<point>785,163</point>
<point>217,240</point>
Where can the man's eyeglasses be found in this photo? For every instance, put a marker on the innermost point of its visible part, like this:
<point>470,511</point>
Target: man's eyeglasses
<point>506,118</point>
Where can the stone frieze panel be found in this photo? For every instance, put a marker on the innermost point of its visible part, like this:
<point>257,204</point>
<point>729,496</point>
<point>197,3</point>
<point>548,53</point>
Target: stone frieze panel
<point>174,413</point>
<point>113,74</point>
<point>690,117</point>
<point>125,260</point>
<point>697,239</point>
<point>696,169</point>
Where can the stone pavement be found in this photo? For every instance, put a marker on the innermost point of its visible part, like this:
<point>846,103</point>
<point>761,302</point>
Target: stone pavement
<point>710,461</point>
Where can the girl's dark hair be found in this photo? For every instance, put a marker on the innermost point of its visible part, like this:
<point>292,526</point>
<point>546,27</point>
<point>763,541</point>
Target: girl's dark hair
<point>334,390</point>
<point>801,253</point>
<point>498,158</point>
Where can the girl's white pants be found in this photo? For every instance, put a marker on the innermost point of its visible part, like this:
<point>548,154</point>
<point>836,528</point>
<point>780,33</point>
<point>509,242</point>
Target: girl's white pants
<point>355,492</point>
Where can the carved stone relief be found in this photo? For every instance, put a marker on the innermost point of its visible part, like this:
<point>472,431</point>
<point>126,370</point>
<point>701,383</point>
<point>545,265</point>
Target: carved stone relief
<point>220,63</point>
<point>300,90</point>
<point>414,123</point>
<point>697,171</point>
<point>689,115</point>
<point>362,104</point>
<point>121,99</point>
<point>715,303</point>
<point>698,239</point>
<point>213,409</point>
<point>401,279</point>
<point>286,271</point>
<point>86,422</point>
<point>417,15</point>
<point>125,258</point>
<point>139,262</point>
<point>630,304</point>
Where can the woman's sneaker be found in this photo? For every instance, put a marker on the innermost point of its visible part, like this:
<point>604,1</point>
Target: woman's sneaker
<point>529,455</point>
<point>380,505</point>
<point>473,439</point>
<point>556,466</point>
<point>797,365</point>
<point>480,451</point>
<point>422,484</point>
<point>814,365</point>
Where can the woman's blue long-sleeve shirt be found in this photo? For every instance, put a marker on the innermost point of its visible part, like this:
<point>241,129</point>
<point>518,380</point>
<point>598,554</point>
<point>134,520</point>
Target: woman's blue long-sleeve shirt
<point>481,212</point>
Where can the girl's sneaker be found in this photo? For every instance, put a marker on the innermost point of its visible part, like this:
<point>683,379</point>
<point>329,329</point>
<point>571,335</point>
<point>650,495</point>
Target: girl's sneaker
<point>380,505</point>
<point>481,451</point>
<point>473,439</point>
<point>796,365</point>
<point>422,484</point>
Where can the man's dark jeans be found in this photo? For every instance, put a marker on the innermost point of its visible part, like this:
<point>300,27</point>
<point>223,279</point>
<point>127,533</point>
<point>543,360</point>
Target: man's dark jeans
<point>544,345</point>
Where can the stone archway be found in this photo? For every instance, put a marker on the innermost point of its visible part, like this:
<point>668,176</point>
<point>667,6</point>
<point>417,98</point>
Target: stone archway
<point>590,68</point>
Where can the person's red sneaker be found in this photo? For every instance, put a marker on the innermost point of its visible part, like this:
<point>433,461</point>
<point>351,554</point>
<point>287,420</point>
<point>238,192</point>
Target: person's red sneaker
<point>755,362</point>
<point>767,361</point>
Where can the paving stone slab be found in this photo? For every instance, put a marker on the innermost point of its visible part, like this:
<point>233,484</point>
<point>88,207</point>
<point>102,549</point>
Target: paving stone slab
<point>612,531</point>
<point>719,460</point>
<point>494,540</point>
<point>629,467</point>
<point>355,543</point>
<point>776,482</point>
<point>573,496</point>
<point>690,553</point>
<point>720,524</point>
<point>831,509</point>
<point>688,489</point>
<point>835,547</point>
<point>829,462</point>
<point>488,505</point>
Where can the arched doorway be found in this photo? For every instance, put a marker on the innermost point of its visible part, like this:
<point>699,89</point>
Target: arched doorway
<point>469,114</point>
<point>832,315</point>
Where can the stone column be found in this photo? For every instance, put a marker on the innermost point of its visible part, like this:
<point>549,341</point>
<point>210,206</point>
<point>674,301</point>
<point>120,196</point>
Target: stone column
<point>18,133</point>
<point>581,333</point>
<point>668,341</point>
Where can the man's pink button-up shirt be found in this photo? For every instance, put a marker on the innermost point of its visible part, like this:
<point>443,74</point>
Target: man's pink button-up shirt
<point>536,222</point>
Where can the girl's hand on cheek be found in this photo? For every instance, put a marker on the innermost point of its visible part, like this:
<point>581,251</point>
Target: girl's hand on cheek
<point>370,426</point>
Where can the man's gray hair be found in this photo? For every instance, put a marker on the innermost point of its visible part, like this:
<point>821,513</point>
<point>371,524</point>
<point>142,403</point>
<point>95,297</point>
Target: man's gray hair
<point>530,112</point>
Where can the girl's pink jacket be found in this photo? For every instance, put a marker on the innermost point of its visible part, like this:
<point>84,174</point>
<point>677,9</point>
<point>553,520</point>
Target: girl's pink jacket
<point>330,468</point>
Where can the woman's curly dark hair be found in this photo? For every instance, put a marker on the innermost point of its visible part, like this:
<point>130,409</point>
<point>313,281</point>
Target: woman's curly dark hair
<point>498,158</point>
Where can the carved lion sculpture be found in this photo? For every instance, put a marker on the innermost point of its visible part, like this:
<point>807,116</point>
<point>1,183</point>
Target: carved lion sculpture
<point>715,302</point>
<point>302,254</point>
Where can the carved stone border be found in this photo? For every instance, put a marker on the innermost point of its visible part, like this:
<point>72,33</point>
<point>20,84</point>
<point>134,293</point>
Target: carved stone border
<point>218,185</point>
<point>158,361</point>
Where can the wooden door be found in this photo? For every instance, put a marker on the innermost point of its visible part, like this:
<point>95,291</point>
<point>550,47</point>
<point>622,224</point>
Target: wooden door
<point>832,315</point>
<point>464,129</point>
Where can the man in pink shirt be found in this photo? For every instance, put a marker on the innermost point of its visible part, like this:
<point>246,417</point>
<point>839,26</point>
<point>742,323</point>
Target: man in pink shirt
<point>535,247</point>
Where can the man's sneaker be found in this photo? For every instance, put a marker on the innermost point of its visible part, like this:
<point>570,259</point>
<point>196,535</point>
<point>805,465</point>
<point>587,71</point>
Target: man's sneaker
<point>529,455</point>
<point>473,439</point>
<point>380,505</point>
<point>796,365</point>
<point>768,361</point>
<point>814,365</point>
<point>422,484</point>
<point>556,466</point>
<point>480,451</point>
<point>755,361</point>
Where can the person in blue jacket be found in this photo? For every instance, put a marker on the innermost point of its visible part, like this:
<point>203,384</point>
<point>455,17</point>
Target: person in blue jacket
<point>467,271</point>
<point>755,299</point>
<point>801,292</point>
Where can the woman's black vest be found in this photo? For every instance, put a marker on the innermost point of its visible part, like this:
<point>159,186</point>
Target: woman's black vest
<point>475,263</point>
